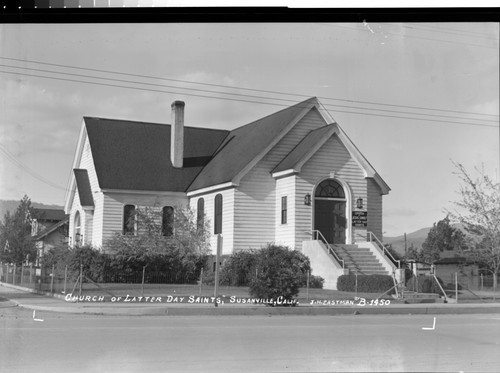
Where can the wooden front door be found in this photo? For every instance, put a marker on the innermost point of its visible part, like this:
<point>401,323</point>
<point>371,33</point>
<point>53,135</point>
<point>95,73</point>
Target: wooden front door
<point>330,220</point>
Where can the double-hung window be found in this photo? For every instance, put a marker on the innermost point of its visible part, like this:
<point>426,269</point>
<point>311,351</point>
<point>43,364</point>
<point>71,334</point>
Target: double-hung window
<point>284,210</point>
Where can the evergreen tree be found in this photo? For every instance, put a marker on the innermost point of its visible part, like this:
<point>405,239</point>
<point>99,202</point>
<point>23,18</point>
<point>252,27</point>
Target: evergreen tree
<point>16,243</point>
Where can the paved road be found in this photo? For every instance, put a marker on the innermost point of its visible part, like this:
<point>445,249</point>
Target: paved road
<point>85,343</point>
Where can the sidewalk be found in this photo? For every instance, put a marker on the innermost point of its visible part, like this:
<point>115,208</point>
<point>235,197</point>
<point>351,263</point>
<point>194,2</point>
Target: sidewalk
<point>26,298</point>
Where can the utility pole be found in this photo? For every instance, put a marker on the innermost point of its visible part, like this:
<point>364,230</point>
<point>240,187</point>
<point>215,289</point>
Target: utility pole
<point>217,259</point>
<point>406,249</point>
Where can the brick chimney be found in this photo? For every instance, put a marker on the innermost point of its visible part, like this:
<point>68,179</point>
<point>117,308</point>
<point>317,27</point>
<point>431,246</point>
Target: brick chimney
<point>177,134</point>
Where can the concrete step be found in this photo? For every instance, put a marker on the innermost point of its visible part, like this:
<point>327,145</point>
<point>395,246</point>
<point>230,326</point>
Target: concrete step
<point>363,261</point>
<point>355,251</point>
<point>359,256</point>
<point>360,260</point>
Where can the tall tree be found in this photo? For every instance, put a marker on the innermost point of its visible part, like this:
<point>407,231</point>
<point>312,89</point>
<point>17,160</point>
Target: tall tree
<point>479,213</point>
<point>413,253</point>
<point>442,237</point>
<point>16,242</point>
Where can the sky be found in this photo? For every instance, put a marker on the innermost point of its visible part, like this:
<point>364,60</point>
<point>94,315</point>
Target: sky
<point>413,97</point>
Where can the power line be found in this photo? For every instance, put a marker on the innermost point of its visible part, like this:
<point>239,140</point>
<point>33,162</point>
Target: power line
<point>444,31</point>
<point>13,159</point>
<point>241,100</point>
<point>457,31</point>
<point>411,36</point>
<point>238,94</point>
<point>240,88</point>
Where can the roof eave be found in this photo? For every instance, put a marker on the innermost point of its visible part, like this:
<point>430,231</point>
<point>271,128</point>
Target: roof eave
<point>284,173</point>
<point>212,189</point>
<point>71,188</point>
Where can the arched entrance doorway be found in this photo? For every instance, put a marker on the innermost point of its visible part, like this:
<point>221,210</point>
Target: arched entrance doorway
<point>330,211</point>
<point>77,230</point>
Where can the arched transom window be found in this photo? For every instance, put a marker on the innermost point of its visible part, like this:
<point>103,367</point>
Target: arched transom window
<point>330,189</point>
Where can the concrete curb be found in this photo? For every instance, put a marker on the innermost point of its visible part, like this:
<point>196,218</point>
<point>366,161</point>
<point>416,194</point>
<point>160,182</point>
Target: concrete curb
<point>261,311</point>
<point>120,309</point>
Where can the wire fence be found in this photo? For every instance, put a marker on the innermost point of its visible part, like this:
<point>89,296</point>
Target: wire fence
<point>63,280</point>
<point>140,282</point>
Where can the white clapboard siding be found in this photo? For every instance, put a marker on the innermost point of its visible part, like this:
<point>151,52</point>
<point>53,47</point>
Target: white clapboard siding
<point>115,202</point>
<point>227,218</point>
<point>98,219</point>
<point>87,231</point>
<point>255,198</point>
<point>374,206</point>
<point>285,233</point>
<point>87,163</point>
<point>331,157</point>
<point>91,220</point>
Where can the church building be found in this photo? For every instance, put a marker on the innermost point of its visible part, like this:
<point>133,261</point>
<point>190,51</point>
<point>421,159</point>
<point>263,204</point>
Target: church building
<point>293,178</point>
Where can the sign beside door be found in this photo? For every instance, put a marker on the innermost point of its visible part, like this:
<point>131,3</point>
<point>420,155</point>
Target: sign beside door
<point>359,218</point>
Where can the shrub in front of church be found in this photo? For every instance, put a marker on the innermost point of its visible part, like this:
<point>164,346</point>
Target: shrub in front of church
<point>239,268</point>
<point>280,273</point>
<point>365,283</point>
<point>316,282</point>
<point>178,249</point>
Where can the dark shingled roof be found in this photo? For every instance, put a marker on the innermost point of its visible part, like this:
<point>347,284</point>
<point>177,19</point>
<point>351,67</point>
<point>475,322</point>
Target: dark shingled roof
<point>304,147</point>
<point>136,155</point>
<point>83,186</point>
<point>243,144</point>
<point>47,214</point>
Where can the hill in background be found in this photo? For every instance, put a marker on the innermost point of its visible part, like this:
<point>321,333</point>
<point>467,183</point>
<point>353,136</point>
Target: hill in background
<point>416,238</point>
<point>9,205</point>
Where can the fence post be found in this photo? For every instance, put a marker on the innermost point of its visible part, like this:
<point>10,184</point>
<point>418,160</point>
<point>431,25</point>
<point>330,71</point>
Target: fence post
<point>481,281</point>
<point>201,279</point>
<point>31,274</point>
<point>52,280</point>
<point>307,284</point>
<point>456,286</point>
<point>143,273</point>
<point>22,273</point>
<point>356,288</point>
<point>65,278</point>
<point>81,279</point>
<point>14,275</point>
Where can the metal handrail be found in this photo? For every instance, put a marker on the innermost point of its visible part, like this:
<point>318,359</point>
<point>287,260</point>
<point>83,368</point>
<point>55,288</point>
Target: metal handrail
<point>316,234</point>
<point>386,252</point>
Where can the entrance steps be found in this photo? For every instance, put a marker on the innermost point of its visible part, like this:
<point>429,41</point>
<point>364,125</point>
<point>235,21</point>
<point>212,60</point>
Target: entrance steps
<point>360,260</point>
